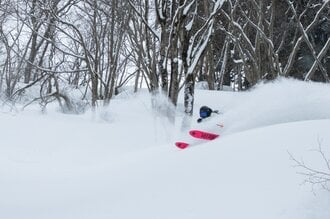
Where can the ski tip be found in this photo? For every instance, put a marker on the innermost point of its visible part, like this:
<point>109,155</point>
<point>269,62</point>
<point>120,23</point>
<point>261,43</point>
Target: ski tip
<point>181,145</point>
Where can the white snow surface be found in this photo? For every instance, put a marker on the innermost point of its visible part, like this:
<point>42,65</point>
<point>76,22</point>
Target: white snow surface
<point>121,163</point>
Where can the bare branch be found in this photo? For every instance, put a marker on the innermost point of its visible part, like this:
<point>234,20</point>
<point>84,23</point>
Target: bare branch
<point>315,177</point>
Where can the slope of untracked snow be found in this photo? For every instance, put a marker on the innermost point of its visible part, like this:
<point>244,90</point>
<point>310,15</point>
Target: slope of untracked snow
<point>122,163</point>
<point>281,101</point>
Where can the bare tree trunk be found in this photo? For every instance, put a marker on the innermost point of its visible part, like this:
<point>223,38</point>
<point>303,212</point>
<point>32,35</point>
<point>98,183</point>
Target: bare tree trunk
<point>259,41</point>
<point>162,8</point>
<point>95,68</point>
<point>173,53</point>
<point>210,68</point>
<point>189,94</point>
<point>33,49</point>
<point>224,59</point>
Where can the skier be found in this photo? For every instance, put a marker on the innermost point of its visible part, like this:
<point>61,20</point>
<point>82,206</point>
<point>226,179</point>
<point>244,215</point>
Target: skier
<point>205,112</point>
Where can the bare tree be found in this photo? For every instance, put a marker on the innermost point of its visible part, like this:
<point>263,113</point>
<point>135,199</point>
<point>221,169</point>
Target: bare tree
<point>251,35</point>
<point>115,38</point>
<point>13,54</point>
<point>97,46</point>
<point>181,45</point>
<point>97,30</point>
<point>194,46</point>
<point>38,18</point>
<point>265,37</point>
<point>304,38</point>
<point>144,42</point>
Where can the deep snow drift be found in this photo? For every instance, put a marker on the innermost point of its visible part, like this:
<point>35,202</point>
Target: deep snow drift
<point>121,162</point>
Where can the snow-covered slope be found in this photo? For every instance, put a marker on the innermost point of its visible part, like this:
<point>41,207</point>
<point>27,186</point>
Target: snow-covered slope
<point>102,165</point>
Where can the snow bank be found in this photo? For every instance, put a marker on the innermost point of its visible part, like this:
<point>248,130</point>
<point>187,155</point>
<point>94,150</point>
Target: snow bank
<point>120,162</point>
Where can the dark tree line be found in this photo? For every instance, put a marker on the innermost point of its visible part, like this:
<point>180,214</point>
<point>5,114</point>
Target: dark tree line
<point>99,46</point>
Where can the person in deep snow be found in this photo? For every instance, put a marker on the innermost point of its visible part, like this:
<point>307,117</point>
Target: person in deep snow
<point>205,112</point>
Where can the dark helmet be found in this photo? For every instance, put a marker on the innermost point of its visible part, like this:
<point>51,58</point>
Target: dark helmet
<point>205,112</point>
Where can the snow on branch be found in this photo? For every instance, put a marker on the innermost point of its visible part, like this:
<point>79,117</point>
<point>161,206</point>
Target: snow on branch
<point>200,49</point>
<point>323,52</point>
<point>144,20</point>
<point>196,49</point>
<point>188,7</point>
<point>307,41</point>
<point>304,37</point>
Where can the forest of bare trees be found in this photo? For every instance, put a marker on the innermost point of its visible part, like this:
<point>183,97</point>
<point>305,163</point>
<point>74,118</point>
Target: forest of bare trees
<point>99,46</point>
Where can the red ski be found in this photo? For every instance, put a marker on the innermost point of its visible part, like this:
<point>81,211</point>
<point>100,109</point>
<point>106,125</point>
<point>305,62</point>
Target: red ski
<point>197,134</point>
<point>181,145</point>
<point>203,135</point>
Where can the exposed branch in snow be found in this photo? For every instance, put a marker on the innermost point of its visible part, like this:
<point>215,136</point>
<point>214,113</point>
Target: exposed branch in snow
<point>314,176</point>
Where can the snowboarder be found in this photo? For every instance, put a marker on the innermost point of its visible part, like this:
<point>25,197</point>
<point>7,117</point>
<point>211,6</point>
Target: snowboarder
<point>205,112</point>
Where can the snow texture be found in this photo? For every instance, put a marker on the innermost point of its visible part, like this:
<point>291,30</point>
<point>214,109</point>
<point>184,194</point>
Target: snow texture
<point>120,162</point>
